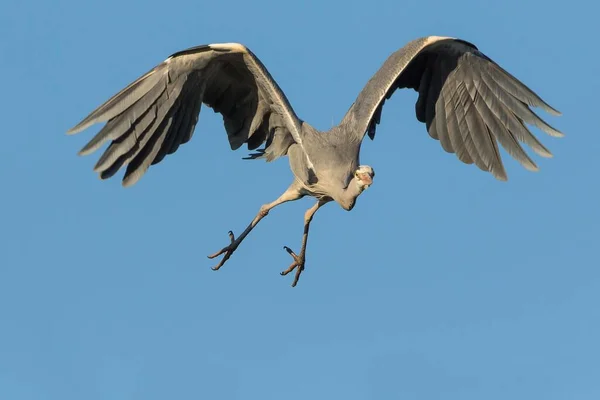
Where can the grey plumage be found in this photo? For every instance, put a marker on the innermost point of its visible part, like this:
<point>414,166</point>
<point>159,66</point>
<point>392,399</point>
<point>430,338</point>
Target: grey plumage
<point>466,101</point>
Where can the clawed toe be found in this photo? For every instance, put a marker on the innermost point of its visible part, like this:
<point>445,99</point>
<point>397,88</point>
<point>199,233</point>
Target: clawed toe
<point>297,265</point>
<point>227,250</point>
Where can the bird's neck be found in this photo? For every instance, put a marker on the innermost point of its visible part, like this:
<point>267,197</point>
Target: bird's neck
<point>347,197</point>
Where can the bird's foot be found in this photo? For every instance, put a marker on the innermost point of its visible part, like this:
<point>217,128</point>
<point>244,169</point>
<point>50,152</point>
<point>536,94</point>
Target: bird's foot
<point>227,250</point>
<point>297,265</point>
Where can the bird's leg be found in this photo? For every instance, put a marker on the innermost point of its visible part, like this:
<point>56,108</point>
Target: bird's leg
<point>290,194</point>
<point>298,263</point>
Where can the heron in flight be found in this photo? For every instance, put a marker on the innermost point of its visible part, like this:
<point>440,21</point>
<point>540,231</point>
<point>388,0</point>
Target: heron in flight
<point>466,101</point>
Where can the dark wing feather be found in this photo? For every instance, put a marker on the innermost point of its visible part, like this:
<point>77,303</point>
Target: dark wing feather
<point>158,112</point>
<point>466,100</point>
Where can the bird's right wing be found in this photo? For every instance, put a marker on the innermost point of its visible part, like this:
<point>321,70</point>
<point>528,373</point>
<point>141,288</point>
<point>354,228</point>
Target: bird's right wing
<point>467,101</point>
<point>158,112</point>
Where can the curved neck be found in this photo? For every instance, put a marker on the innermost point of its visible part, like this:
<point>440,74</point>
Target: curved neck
<point>347,197</point>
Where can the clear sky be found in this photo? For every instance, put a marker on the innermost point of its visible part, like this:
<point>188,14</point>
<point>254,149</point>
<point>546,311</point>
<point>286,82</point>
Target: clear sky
<point>442,283</point>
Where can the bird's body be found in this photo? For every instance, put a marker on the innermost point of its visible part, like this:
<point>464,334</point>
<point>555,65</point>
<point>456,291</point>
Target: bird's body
<point>334,162</point>
<point>468,103</point>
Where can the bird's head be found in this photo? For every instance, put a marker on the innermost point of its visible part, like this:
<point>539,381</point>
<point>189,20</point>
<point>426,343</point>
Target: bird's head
<point>363,177</point>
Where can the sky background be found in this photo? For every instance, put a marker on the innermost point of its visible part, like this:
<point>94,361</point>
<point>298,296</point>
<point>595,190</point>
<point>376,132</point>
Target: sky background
<point>442,283</point>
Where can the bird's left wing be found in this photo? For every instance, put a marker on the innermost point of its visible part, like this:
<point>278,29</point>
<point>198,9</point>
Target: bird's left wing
<point>467,101</point>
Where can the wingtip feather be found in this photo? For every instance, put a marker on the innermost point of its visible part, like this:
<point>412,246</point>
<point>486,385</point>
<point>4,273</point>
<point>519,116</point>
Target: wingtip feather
<point>553,111</point>
<point>531,167</point>
<point>129,181</point>
<point>79,127</point>
<point>547,154</point>
<point>555,133</point>
<point>501,175</point>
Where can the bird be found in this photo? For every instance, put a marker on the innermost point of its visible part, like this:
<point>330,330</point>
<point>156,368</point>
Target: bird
<point>467,102</point>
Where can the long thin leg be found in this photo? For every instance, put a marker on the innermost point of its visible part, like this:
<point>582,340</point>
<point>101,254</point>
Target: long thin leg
<point>299,260</point>
<point>290,194</point>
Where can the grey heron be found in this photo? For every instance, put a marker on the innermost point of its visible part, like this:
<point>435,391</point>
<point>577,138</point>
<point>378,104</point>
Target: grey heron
<point>467,102</point>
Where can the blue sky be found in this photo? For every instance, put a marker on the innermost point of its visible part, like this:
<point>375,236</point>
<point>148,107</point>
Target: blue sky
<point>441,283</point>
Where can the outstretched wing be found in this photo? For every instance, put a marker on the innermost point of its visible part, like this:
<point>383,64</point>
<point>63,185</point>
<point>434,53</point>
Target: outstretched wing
<point>467,101</point>
<point>158,112</point>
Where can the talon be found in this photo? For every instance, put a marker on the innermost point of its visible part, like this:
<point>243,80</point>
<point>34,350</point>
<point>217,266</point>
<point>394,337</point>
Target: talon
<point>227,250</point>
<point>290,252</point>
<point>297,265</point>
